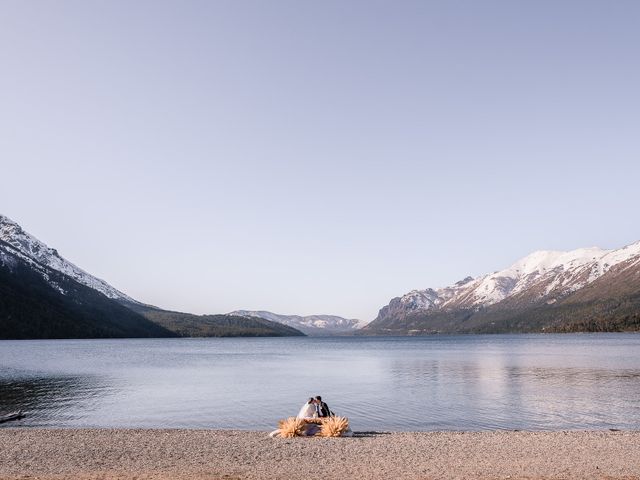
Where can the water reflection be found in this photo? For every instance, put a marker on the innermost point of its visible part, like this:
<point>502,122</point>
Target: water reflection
<point>51,400</point>
<point>493,394</point>
<point>434,383</point>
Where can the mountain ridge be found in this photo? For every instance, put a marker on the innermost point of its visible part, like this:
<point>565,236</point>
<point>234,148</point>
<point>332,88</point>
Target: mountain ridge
<point>541,280</point>
<point>586,289</point>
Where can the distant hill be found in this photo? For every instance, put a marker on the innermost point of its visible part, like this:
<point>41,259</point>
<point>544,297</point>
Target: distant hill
<point>190,325</point>
<point>316,325</point>
<point>585,290</point>
<point>43,295</point>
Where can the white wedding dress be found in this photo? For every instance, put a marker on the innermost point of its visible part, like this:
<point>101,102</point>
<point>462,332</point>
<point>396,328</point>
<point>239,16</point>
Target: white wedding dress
<point>307,411</point>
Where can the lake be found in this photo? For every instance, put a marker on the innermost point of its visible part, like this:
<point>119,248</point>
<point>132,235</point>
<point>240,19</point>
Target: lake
<point>443,382</point>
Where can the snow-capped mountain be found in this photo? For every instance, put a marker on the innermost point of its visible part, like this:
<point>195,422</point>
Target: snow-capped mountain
<point>43,295</point>
<point>543,277</point>
<point>36,252</point>
<point>310,324</point>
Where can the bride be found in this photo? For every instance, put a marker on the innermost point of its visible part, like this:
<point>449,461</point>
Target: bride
<point>308,410</point>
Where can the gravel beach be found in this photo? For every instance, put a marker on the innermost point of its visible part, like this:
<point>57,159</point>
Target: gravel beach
<point>209,454</point>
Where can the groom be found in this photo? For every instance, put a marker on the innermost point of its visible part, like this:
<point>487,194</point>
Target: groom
<point>322,409</point>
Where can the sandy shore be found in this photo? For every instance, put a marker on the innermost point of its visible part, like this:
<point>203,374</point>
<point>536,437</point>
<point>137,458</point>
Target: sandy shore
<point>208,454</point>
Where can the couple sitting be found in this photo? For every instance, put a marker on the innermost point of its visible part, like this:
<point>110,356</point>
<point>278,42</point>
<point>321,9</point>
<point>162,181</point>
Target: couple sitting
<point>314,420</point>
<point>315,408</point>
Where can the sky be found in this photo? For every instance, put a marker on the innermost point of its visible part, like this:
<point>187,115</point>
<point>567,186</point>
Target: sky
<point>316,157</point>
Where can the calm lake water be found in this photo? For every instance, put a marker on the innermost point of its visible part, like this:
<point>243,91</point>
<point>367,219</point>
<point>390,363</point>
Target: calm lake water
<point>471,382</point>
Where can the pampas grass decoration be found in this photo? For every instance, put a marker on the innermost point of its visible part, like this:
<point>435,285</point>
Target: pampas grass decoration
<point>334,426</point>
<point>292,427</point>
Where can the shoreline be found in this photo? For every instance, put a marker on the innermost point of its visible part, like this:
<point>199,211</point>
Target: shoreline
<point>15,425</point>
<point>159,454</point>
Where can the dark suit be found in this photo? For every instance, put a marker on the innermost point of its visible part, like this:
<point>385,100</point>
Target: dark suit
<point>323,410</point>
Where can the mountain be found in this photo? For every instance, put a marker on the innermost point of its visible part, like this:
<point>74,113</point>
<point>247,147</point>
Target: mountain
<point>31,247</point>
<point>310,324</point>
<point>37,301</point>
<point>43,295</point>
<point>588,289</point>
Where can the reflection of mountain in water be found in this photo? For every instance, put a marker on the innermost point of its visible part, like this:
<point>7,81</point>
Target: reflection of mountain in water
<point>542,397</point>
<point>50,401</point>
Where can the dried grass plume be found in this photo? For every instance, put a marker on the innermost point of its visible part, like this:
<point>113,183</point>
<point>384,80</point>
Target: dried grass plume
<point>334,426</point>
<point>292,427</point>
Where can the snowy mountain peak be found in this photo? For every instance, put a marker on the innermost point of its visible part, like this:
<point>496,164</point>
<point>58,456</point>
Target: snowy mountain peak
<point>464,281</point>
<point>34,250</point>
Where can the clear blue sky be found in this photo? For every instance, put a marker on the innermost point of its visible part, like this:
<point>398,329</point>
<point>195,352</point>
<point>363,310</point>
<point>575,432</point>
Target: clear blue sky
<point>317,157</point>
